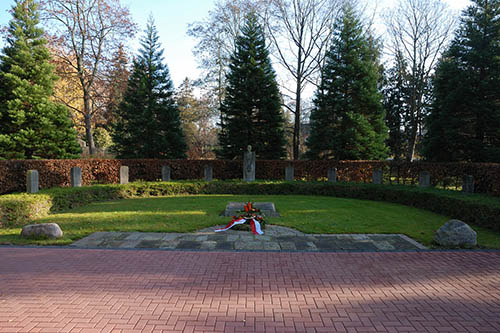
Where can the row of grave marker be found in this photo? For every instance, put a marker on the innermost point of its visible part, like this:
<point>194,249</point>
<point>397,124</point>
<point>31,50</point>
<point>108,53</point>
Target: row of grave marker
<point>424,179</point>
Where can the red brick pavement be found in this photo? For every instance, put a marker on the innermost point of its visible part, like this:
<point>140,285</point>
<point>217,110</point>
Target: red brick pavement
<point>74,290</point>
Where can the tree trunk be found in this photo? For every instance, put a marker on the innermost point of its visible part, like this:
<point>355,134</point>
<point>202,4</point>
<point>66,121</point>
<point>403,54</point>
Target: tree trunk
<point>88,123</point>
<point>298,95</point>
<point>412,143</point>
<point>296,127</point>
<point>219,84</point>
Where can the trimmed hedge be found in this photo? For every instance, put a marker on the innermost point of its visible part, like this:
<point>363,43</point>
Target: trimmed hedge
<point>21,209</point>
<point>18,210</point>
<point>56,173</point>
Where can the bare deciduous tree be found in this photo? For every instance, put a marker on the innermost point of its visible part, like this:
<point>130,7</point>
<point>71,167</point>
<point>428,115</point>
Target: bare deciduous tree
<point>420,30</point>
<point>300,31</point>
<point>87,33</point>
<point>197,116</point>
<point>216,37</point>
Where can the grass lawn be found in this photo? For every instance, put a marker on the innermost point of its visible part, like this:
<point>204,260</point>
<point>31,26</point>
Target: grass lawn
<point>309,214</point>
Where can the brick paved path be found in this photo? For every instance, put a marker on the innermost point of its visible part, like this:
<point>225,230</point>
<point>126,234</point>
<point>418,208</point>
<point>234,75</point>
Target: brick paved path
<point>108,290</point>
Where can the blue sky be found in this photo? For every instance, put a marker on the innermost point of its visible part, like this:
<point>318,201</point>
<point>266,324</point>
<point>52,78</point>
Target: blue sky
<point>172,18</point>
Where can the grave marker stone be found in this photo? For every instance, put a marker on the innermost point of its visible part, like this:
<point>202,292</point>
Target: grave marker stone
<point>124,175</point>
<point>209,171</point>
<point>332,175</point>
<point>289,173</point>
<point>424,179</point>
<point>32,184</point>
<point>76,177</point>
<point>165,173</point>
<point>468,184</point>
<point>377,177</point>
<point>249,165</point>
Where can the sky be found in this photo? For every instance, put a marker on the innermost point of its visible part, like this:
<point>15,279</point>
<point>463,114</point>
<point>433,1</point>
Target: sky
<point>172,18</point>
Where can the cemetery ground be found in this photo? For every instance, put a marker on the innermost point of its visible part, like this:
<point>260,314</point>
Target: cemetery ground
<point>61,289</point>
<point>189,213</point>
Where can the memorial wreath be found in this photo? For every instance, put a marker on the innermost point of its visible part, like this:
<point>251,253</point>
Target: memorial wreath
<point>250,216</point>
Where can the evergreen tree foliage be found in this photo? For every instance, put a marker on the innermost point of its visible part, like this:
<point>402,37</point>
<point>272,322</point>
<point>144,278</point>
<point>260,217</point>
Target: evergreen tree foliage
<point>32,125</point>
<point>347,122</point>
<point>251,112</point>
<point>464,124</point>
<point>118,80</point>
<point>148,124</point>
<point>396,97</point>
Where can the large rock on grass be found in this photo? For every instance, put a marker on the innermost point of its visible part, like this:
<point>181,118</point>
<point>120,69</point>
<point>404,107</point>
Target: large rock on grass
<point>457,234</point>
<point>44,230</point>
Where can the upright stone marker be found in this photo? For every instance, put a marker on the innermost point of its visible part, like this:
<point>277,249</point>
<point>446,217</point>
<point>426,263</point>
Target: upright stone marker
<point>209,172</point>
<point>32,184</point>
<point>165,173</point>
<point>76,177</point>
<point>289,173</point>
<point>124,175</point>
<point>249,165</point>
<point>377,177</point>
<point>468,184</point>
<point>332,175</point>
<point>424,179</point>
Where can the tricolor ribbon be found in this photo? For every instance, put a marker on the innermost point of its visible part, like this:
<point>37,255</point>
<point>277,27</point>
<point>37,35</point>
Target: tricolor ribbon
<point>254,225</point>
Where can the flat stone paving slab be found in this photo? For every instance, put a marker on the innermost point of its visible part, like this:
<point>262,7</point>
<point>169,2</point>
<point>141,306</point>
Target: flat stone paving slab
<point>276,238</point>
<point>82,290</point>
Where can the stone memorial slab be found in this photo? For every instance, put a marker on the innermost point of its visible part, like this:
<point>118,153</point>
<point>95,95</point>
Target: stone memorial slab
<point>266,209</point>
<point>209,172</point>
<point>249,165</point>
<point>289,173</point>
<point>32,184</point>
<point>124,175</point>
<point>468,184</point>
<point>165,173</point>
<point>424,179</point>
<point>377,177</point>
<point>76,177</point>
<point>332,175</point>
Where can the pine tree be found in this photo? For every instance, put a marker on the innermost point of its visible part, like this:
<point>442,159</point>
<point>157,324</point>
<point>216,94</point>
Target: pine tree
<point>118,79</point>
<point>396,97</point>
<point>251,112</point>
<point>32,125</point>
<point>464,124</point>
<point>347,122</point>
<point>148,123</point>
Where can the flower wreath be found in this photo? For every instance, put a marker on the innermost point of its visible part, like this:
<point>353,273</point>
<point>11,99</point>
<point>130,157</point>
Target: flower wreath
<point>251,216</point>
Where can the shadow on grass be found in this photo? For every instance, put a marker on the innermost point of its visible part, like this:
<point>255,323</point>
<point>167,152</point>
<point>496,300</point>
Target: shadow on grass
<point>309,214</point>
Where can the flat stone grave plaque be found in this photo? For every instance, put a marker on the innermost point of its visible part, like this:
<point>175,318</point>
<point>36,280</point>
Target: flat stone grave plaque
<point>266,209</point>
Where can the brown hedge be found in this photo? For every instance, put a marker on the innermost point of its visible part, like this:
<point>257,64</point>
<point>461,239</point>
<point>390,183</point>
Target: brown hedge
<point>56,173</point>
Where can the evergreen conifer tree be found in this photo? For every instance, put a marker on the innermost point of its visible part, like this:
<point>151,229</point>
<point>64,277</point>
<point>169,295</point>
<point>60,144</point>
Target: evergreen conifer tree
<point>251,112</point>
<point>396,96</point>
<point>347,122</point>
<point>32,124</point>
<point>118,80</point>
<point>464,124</point>
<point>148,124</point>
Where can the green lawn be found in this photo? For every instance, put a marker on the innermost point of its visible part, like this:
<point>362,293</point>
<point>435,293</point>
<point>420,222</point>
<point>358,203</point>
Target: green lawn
<point>310,214</point>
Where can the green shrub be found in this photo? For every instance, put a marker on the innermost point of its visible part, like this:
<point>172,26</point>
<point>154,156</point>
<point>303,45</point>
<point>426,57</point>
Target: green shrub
<point>20,209</point>
<point>481,210</point>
